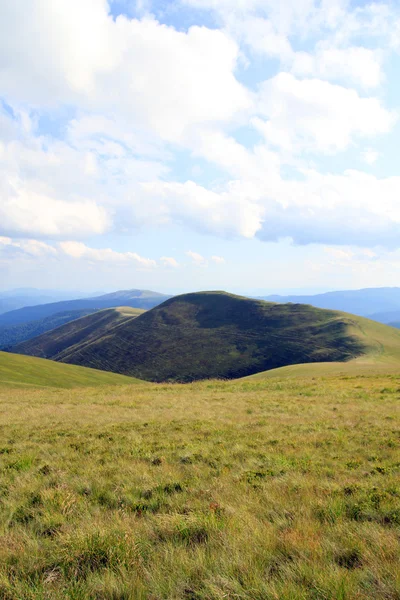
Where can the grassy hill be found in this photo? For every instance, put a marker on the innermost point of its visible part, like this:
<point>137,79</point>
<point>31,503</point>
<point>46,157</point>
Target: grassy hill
<point>18,371</point>
<point>11,336</point>
<point>77,334</point>
<point>144,299</point>
<point>213,335</point>
<point>257,489</point>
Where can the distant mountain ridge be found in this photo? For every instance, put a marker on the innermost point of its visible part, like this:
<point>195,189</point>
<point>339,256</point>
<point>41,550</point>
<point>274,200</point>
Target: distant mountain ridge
<point>134,298</point>
<point>379,304</point>
<point>201,336</point>
<point>10,336</point>
<point>18,298</point>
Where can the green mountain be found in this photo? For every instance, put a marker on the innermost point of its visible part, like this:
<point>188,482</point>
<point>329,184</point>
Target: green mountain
<point>18,371</point>
<point>10,336</point>
<point>212,335</point>
<point>78,334</point>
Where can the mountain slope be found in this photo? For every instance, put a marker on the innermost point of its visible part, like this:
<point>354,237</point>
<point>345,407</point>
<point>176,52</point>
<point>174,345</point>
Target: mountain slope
<point>77,334</point>
<point>10,336</point>
<point>25,371</point>
<point>366,302</point>
<point>135,298</point>
<point>214,334</point>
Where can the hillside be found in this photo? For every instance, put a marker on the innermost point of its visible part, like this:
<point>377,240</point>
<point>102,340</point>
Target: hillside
<point>240,490</point>
<point>134,298</point>
<point>370,302</point>
<point>10,336</point>
<point>210,335</point>
<point>78,334</point>
<point>18,371</point>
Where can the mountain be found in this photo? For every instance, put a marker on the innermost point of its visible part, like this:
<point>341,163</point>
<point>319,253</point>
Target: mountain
<point>211,335</point>
<point>134,298</point>
<point>390,317</point>
<point>10,336</point>
<point>366,302</point>
<point>14,299</point>
<point>27,372</point>
<point>78,334</point>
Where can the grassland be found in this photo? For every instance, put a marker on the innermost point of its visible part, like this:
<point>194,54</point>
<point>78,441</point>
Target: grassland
<point>29,372</point>
<point>268,488</point>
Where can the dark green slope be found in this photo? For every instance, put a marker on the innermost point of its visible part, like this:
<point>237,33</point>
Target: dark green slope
<point>10,336</point>
<point>214,334</point>
<point>77,334</point>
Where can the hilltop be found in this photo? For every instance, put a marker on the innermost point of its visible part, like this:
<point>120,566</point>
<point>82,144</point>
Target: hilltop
<point>134,298</point>
<point>210,335</point>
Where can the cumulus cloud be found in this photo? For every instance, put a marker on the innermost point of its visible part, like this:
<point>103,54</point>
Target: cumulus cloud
<point>223,213</point>
<point>196,258</point>
<point>141,95</point>
<point>168,261</point>
<point>315,115</point>
<point>77,53</point>
<point>10,249</point>
<point>79,250</point>
<point>219,260</point>
<point>354,65</point>
<point>25,211</point>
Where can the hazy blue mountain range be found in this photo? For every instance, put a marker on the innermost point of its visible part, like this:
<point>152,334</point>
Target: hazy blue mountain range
<point>14,299</point>
<point>10,336</point>
<point>133,298</point>
<point>379,304</point>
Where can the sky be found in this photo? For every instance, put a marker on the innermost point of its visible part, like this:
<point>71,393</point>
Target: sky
<point>245,145</point>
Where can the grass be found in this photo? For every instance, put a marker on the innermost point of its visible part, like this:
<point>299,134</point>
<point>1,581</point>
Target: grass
<point>275,488</point>
<point>29,372</point>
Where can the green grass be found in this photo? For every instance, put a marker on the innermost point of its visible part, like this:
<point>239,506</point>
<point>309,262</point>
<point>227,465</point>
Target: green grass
<point>26,371</point>
<point>260,489</point>
<point>207,335</point>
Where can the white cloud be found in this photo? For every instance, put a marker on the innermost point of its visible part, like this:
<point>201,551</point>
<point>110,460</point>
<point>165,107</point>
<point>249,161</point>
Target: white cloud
<point>197,258</point>
<point>79,250</point>
<point>370,156</point>
<point>168,261</point>
<point>222,213</point>
<point>12,249</point>
<point>219,260</point>
<point>144,71</point>
<point>355,65</point>
<point>26,211</point>
<point>315,115</point>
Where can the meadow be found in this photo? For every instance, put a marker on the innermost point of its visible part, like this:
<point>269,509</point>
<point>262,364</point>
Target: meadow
<point>267,488</point>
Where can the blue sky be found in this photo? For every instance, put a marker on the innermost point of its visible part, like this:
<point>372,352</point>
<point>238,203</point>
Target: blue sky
<point>247,145</point>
